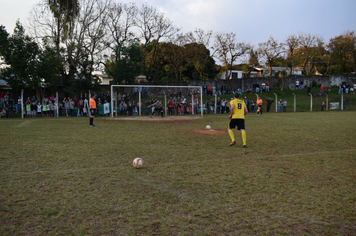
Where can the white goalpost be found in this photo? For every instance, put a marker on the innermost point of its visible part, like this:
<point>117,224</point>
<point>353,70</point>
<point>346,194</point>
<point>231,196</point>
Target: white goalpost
<point>156,86</point>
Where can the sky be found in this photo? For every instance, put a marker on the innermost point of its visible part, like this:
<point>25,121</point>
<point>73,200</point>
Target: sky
<point>253,21</point>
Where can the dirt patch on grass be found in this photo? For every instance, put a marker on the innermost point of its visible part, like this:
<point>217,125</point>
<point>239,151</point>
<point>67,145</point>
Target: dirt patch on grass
<point>209,131</point>
<point>156,118</point>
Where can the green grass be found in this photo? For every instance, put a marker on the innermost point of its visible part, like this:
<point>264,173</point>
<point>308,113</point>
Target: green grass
<point>298,176</point>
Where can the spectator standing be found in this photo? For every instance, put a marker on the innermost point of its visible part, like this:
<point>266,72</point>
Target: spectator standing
<point>39,109</point>
<point>44,109</point>
<point>257,87</point>
<point>28,108</point>
<point>207,106</point>
<point>322,105</point>
<point>253,106</point>
<point>7,98</point>
<point>347,88</point>
<point>119,98</point>
<point>297,84</point>
<point>223,104</point>
<point>280,104</point>
<point>301,85</point>
<point>33,109</point>
<point>247,104</point>
<point>80,107</point>
<point>7,109</point>
<point>19,105</point>
<point>285,105</point>
<point>108,97</point>
<point>218,106</point>
<point>71,107</point>
<point>170,106</point>
<point>267,86</point>
<point>66,106</point>
<point>321,90</point>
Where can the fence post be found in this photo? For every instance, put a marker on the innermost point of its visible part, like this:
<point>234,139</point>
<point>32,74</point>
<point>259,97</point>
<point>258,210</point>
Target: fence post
<point>139,103</point>
<point>295,102</point>
<point>165,104</point>
<point>22,103</point>
<point>276,102</point>
<point>215,108</point>
<point>342,101</point>
<point>311,102</point>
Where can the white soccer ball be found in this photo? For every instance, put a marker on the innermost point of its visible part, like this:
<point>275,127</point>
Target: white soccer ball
<point>208,127</point>
<point>137,163</point>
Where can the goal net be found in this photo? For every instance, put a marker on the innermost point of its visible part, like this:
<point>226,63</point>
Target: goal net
<point>136,99</point>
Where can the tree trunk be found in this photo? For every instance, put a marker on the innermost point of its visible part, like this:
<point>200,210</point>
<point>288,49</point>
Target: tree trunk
<point>281,83</point>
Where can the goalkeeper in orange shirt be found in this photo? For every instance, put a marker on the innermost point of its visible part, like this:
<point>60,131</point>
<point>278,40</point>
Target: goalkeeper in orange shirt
<point>238,110</point>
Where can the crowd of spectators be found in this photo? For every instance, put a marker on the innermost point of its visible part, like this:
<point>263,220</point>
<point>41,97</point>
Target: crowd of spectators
<point>179,103</point>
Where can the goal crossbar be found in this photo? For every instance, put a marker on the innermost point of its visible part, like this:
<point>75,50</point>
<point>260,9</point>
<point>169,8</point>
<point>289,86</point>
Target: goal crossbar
<point>156,86</point>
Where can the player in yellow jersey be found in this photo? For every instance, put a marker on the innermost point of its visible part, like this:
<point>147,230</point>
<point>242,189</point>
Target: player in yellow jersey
<point>238,110</point>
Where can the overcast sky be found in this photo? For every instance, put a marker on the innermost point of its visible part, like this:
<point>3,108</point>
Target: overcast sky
<point>253,21</point>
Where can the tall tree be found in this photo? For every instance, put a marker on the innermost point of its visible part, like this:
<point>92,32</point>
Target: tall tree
<point>227,50</point>
<point>343,51</point>
<point>270,51</point>
<point>64,12</point>
<point>125,69</point>
<point>292,43</point>
<point>28,64</point>
<point>153,26</point>
<point>308,43</point>
<point>20,53</point>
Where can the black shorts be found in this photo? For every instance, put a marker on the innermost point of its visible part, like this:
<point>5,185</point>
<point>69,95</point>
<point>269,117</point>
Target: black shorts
<point>92,112</point>
<point>239,123</point>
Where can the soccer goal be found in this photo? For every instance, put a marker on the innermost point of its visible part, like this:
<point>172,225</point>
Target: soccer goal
<point>190,95</point>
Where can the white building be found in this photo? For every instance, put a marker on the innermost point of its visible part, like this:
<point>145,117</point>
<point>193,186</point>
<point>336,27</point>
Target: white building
<point>264,71</point>
<point>237,74</point>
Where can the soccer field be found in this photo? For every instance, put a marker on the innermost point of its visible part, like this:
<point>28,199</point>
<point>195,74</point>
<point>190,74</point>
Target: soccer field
<point>297,176</point>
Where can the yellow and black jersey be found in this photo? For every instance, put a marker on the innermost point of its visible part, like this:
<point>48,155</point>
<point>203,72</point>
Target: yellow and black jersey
<point>239,108</point>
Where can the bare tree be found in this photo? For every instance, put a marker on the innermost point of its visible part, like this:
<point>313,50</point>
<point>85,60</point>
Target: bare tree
<point>82,43</point>
<point>153,26</point>
<point>199,36</point>
<point>228,51</point>
<point>308,43</point>
<point>121,21</point>
<point>270,50</point>
<point>292,43</point>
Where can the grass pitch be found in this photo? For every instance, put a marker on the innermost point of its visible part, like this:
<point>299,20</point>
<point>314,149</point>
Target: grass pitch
<point>297,176</point>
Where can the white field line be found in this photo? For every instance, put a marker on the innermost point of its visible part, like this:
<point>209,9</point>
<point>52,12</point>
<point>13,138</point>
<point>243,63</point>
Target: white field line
<point>178,163</point>
<point>34,119</point>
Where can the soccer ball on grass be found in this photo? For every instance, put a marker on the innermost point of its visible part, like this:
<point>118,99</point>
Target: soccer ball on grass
<point>208,127</point>
<point>137,163</point>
